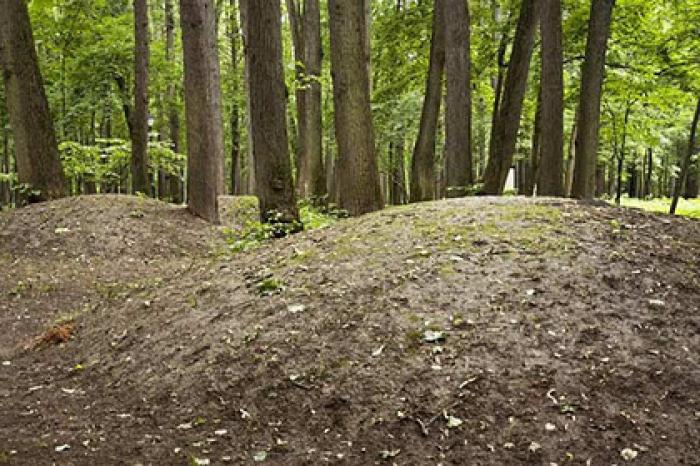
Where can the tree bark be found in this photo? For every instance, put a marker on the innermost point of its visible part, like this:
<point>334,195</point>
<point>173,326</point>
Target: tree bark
<point>234,33</point>
<point>139,124</point>
<point>313,141</point>
<point>533,168</point>
<point>36,149</point>
<point>458,105</point>
<point>202,106</point>
<point>358,176</point>
<point>175,181</point>
<point>423,161</point>
<point>685,166</point>
<point>295,11</point>
<point>621,155</point>
<point>267,95</point>
<point>592,76</point>
<point>506,125</point>
<point>549,174</point>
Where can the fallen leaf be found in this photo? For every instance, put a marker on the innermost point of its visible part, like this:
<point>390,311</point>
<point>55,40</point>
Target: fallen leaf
<point>628,454</point>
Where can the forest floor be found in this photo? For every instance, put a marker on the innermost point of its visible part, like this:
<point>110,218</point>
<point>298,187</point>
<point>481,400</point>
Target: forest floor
<point>481,331</point>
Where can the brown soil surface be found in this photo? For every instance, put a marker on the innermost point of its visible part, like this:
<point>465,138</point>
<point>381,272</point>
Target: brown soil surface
<point>565,333</point>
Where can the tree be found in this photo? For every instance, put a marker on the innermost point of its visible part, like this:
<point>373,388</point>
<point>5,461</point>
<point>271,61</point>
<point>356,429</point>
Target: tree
<point>551,158</point>
<point>139,123</point>
<point>267,100</point>
<point>357,173</point>
<point>173,117</point>
<point>505,132</point>
<point>234,33</point>
<point>589,106</point>
<point>458,151</point>
<point>36,150</point>
<point>423,162</point>
<point>685,166</point>
<point>205,144</point>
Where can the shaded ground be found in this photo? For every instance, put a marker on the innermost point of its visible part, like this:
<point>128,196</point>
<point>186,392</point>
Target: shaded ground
<point>562,334</point>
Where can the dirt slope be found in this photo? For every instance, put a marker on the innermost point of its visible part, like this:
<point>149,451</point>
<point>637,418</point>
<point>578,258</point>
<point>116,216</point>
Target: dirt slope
<point>562,334</point>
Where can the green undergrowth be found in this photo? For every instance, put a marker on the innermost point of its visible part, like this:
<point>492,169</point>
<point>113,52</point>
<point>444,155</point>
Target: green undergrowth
<point>252,232</point>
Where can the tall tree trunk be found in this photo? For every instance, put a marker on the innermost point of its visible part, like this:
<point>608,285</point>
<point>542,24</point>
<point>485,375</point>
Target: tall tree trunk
<point>423,161</point>
<point>458,106</point>
<point>267,95</point>
<point>295,10</point>
<point>313,141</point>
<point>205,142</point>
<point>234,33</point>
<point>685,165</point>
<point>533,168</point>
<point>592,76</point>
<point>175,189</point>
<point>36,150</point>
<point>398,170</point>
<point>139,134</point>
<point>506,126</point>
<point>358,175</point>
<point>621,155</point>
<point>549,175</point>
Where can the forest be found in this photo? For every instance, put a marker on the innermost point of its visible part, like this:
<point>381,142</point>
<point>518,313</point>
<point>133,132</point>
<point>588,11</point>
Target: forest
<point>349,231</point>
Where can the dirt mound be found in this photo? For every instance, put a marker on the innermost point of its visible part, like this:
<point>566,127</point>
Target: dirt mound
<point>104,226</point>
<point>473,331</point>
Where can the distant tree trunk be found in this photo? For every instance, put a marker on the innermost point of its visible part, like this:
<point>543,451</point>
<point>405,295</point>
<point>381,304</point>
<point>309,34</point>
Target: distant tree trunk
<point>458,105</point>
<point>685,165</point>
<point>423,162</point>
<point>36,150</point>
<point>571,162</point>
<point>295,10</point>
<point>234,31</point>
<point>592,76</point>
<point>358,176</point>
<point>313,142</point>
<point>621,155</point>
<point>139,124</point>
<point>533,167</point>
<point>398,170</point>
<point>549,175</point>
<point>175,189</point>
<point>202,104</point>
<point>506,125</point>
<point>267,94</point>
<point>648,170</point>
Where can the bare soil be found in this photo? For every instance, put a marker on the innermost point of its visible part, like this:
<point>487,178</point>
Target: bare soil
<point>484,331</point>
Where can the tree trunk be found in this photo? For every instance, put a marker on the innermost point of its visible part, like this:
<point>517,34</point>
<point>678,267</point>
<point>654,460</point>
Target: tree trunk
<point>358,177</point>
<point>549,175</point>
<point>621,155</point>
<point>458,106</point>
<point>506,125</point>
<point>139,118</point>
<point>5,163</point>
<point>423,162</point>
<point>313,141</point>
<point>202,106</point>
<point>235,112</point>
<point>297,23</point>
<point>267,95</point>
<point>686,160</point>
<point>592,76</point>
<point>175,181</point>
<point>36,150</point>
<point>398,170</point>
<point>533,170</point>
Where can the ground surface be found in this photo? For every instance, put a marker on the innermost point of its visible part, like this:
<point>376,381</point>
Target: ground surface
<point>476,331</point>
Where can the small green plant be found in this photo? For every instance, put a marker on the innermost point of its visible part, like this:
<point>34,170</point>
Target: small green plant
<point>269,286</point>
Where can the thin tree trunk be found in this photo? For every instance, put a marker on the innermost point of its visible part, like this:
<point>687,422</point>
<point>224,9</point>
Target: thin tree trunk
<point>685,166</point>
<point>506,126</point>
<point>550,168</point>
<point>202,105</point>
<point>139,135</point>
<point>36,150</point>
<point>358,176</point>
<point>175,180</point>
<point>621,155</point>
<point>533,170</point>
<point>423,161</point>
<point>267,94</point>
<point>297,24</point>
<point>592,76</point>
<point>458,111</point>
<point>235,112</point>
<point>313,141</point>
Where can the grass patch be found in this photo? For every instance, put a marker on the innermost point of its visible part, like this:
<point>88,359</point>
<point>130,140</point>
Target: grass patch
<point>687,208</point>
